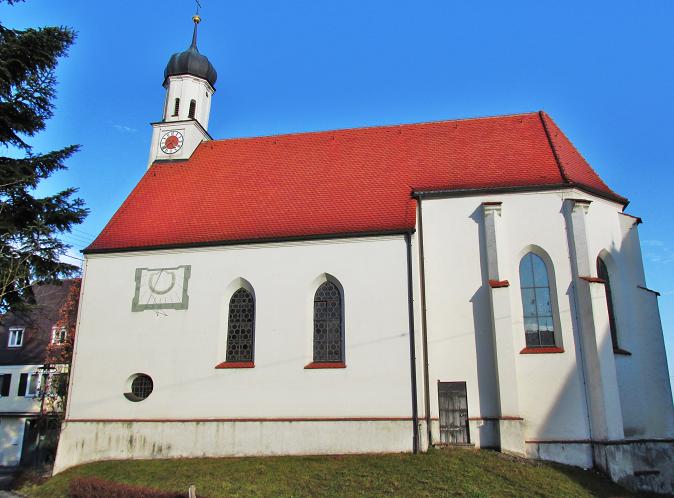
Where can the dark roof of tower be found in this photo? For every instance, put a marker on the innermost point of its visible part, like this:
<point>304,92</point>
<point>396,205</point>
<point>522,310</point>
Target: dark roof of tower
<point>191,62</point>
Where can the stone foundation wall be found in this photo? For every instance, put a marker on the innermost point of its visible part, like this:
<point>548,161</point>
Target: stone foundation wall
<point>83,442</point>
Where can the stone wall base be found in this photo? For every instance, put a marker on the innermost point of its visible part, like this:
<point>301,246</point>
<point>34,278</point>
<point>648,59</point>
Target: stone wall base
<point>90,441</point>
<point>640,465</point>
<point>511,437</point>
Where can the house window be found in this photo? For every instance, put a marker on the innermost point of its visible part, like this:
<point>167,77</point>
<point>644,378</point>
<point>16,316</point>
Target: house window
<point>193,109</point>
<point>5,382</point>
<point>58,335</point>
<point>15,337</point>
<point>602,272</point>
<point>241,327</point>
<point>33,385</point>
<point>29,384</point>
<point>176,107</point>
<point>536,302</point>
<point>328,332</point>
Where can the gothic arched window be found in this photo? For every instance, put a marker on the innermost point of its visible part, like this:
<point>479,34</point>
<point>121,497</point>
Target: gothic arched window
<point>602,272</point>
<point>328,318</point>
<point>176,107</point>
<point>241,327</point>
<point>193,109</point>
<point>536,302</point>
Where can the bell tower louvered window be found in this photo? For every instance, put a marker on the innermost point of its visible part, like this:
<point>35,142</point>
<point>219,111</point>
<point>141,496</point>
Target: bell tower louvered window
<point>328,326</point>
<point>176,107</point>
<point>193,109</point>
<point>241,327</point>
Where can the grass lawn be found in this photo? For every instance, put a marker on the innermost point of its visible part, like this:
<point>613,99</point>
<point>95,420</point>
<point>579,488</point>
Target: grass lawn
<point>451,472</point>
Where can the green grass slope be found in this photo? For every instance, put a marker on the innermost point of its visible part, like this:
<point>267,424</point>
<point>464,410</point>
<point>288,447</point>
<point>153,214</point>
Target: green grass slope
<point>451,472</point>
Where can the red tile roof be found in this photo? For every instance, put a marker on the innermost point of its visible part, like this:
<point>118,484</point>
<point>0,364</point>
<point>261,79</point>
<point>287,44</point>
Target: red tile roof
<point>338,182</point>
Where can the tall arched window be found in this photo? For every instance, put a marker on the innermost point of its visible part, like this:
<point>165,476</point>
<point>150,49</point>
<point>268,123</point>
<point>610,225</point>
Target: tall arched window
<point>193,109</point>
<point>328,336</point>
<point>536,302</point>
<point>176,107</point>
<point>602,272</point>
<point>241,327</point>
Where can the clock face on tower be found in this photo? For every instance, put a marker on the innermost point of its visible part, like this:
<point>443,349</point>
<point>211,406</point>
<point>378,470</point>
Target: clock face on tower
<point>171,142</point>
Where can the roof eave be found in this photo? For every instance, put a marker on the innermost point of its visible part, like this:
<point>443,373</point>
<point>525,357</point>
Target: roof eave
<point>266,240</point>
<point>440,193</point>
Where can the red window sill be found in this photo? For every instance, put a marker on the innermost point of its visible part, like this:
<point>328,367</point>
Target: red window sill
<point>236,364</point>
<point>318,364</point>
<point>546,350</point>
<point>594,280</point>
<point>621,351</point>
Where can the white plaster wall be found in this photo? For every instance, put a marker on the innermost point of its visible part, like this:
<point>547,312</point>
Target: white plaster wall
<point>643,377</point>
<point>193,135</point>
<point>187,88</point>
<point>11,440</point>
<point>180,349</point>
<point>457,306</point>
<point>551,386</point>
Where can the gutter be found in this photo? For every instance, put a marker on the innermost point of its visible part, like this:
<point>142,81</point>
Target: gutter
<point>235,242</point>
<point>465,192</point>
<point>413,359</point>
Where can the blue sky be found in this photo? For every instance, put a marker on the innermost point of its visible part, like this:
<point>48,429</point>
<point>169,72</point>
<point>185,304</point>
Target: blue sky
<point>603,70</point>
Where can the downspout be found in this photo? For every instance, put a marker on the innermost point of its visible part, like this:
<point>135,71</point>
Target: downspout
<point>413,359</point>
<point>424,327</point>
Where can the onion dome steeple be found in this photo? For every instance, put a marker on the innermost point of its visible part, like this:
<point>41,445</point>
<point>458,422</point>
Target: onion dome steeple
<point>191,61</point>
<point>189,81</point>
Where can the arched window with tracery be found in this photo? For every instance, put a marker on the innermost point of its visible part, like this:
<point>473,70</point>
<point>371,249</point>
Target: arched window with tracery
<point>602,272</point>
<point>328,324</point>
<point>241,327</point>
<point>537,305</point>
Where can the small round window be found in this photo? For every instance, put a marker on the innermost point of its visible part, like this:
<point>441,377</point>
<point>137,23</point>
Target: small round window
<point>141,387</point>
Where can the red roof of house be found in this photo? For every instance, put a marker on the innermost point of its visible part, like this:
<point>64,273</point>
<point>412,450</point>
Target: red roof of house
<point>338,182</point>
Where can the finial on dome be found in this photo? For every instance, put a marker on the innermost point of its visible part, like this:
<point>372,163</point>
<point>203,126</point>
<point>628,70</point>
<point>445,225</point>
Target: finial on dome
<point>196,20</point>
<point>190,61</point>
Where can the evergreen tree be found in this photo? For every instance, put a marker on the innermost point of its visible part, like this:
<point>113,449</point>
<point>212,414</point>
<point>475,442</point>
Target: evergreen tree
<point>30,226</point>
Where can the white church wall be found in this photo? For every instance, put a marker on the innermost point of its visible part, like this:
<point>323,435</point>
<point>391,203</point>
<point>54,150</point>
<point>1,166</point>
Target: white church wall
<point>179,349</point>
<point>643,377</point>
<point>457,310</point>
<point>551,387</point>
<point>551,391</point>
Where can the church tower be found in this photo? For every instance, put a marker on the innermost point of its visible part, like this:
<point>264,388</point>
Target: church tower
<point>189,79</point>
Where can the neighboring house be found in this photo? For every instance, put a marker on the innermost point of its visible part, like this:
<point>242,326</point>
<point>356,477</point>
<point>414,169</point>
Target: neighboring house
<point>30,386</point>
<point>368,290</point>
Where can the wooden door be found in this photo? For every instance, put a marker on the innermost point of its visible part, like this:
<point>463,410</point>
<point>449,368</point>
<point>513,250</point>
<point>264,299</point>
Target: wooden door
<point>453,403</point>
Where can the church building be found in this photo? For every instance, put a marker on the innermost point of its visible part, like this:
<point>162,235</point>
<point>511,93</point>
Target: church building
<point>382,289</point>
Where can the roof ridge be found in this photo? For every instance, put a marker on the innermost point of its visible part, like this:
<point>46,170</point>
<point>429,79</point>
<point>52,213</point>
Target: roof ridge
<point>373,127</point>
<point>562,171</point>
